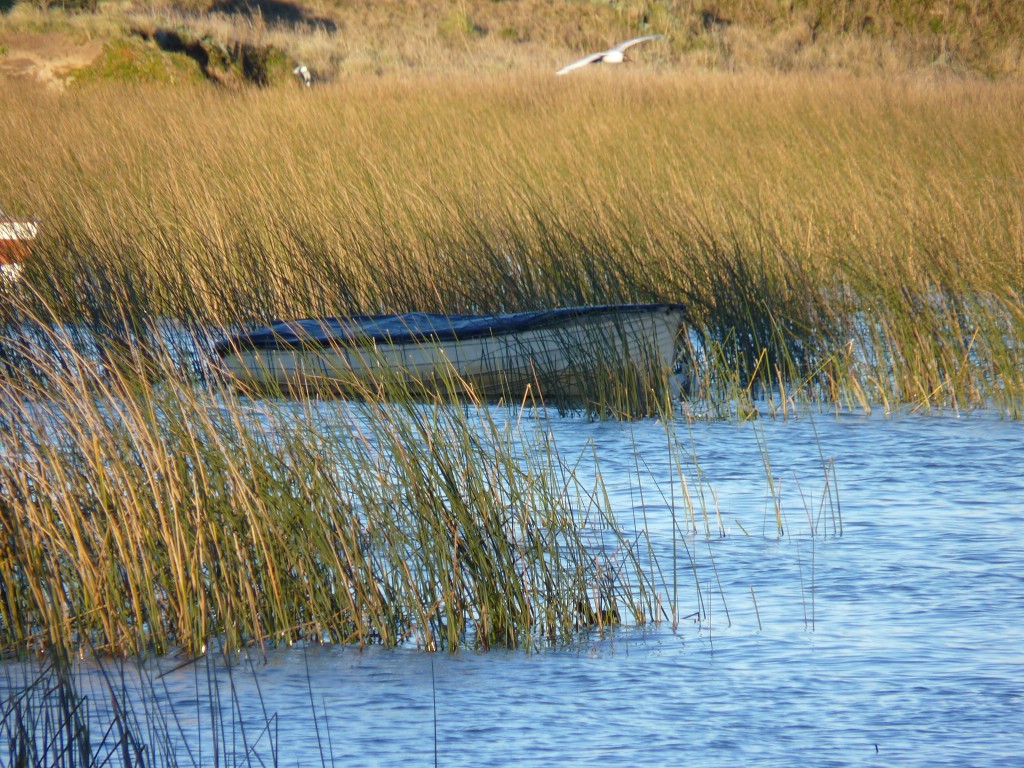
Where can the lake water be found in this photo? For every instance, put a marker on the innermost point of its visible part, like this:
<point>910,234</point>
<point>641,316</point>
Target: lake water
<point>898,642</point>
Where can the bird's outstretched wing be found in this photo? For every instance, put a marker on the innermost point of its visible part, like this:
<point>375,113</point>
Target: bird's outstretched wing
<point>626,44</point>
<point>581,62</point>
<point>595,57</point>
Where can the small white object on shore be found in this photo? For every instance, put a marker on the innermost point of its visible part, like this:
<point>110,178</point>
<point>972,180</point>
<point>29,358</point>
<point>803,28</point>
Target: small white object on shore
<point>303,73</point>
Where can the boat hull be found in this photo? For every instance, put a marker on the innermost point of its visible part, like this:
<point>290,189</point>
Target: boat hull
<point>570,355</point>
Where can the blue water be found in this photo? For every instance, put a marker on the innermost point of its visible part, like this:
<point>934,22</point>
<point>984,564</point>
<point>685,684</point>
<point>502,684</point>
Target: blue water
<point>898,642</point>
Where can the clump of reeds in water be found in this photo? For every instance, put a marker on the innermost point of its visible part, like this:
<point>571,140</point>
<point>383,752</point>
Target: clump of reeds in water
<point>142,509</point>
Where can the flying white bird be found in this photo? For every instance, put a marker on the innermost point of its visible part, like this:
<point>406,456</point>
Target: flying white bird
<point>614,55</point>
<point>303,73</point>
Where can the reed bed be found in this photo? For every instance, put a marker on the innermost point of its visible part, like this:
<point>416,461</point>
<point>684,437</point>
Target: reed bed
<point>852,239</point>
<point>140,511</point>
<point>143,511</point>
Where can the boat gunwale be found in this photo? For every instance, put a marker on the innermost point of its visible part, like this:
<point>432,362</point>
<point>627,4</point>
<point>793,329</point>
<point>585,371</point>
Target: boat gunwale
<point>267,338</point>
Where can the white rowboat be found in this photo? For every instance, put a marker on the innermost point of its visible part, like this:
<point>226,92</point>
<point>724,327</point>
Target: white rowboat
<point>557,352</point>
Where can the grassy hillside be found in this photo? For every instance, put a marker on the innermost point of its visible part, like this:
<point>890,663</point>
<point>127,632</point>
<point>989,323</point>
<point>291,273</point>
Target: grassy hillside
<point>231,41</point>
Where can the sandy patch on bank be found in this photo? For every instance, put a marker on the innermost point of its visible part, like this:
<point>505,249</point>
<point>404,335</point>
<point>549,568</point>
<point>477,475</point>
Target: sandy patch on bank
<point>47,58</point>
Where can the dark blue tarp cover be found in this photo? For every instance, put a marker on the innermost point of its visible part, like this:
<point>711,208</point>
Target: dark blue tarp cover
<point>412,326</point>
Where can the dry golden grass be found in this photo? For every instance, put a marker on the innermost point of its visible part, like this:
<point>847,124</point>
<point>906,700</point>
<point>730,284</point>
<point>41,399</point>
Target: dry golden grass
<point>800,214</point>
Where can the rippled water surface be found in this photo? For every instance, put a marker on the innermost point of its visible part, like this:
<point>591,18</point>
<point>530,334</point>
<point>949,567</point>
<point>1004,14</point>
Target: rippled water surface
<point>898,642</point>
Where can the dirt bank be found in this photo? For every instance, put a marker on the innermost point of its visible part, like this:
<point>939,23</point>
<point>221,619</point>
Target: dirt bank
<point>48,58</point>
